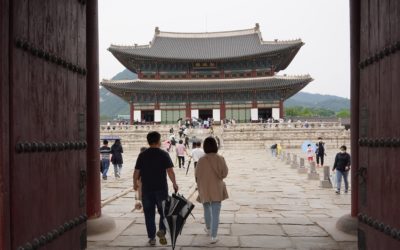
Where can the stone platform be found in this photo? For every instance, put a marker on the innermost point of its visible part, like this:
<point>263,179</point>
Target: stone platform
<point>271,206</point>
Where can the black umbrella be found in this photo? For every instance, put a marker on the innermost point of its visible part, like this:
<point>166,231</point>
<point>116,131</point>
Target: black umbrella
<point>176,209</point>
<point>187,169</point>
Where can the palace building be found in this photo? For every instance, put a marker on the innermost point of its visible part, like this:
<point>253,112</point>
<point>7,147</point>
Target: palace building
<point>219,75</point>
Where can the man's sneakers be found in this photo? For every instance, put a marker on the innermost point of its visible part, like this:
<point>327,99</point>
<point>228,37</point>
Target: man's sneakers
<point>207,231</point>
<point>152,242</point>
<point>337,192</point>
<point>213,240</point>
<point>161,236</point>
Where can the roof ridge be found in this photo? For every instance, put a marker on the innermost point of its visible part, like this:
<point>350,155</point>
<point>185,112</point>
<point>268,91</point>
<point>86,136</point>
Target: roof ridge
<point>206,34</point>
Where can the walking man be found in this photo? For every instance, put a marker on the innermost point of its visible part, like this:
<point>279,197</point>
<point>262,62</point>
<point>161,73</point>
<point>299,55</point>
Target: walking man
<point>105,152</point>
<point>342,167</point>
<point>320,152</point>
<point>152,167</point>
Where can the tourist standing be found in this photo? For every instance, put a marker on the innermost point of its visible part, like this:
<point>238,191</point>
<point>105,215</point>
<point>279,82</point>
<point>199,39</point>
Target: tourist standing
<point>116,157</point>
<point>278,149</point>
<point>273,149</point>
<point>320,152</point>
<point>210,172</point>
<point>152,167</point>
<point>310,153</point>
<point>180,153</point>
<point>105,152</point>
<point>342,167</point>
<point>197,152</point>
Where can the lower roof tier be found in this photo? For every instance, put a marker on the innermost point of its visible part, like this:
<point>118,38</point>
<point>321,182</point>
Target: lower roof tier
<point>135,90</point>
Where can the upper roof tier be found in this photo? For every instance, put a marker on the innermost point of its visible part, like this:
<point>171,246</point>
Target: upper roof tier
<point>125,88</point>
<point>216,46</point>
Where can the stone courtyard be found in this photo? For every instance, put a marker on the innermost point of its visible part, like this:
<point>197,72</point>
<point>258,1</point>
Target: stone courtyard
<point>271,206</point>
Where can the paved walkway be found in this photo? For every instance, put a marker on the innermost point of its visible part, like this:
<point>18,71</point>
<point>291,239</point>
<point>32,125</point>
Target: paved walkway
<point>271,206</point>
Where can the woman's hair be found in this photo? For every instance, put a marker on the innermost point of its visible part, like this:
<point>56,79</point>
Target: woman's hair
<point>180,141</point>
<point>210,145</point>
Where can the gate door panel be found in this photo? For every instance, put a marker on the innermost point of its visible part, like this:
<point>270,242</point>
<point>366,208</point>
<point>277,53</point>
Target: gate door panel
<point>379,129</point>
<point>48,113</point>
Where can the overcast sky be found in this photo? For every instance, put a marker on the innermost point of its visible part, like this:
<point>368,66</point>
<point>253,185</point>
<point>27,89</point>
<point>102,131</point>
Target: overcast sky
<point>323,25</point>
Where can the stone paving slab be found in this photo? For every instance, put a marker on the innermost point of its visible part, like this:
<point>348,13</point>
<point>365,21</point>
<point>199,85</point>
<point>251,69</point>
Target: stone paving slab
<point>271,206</point>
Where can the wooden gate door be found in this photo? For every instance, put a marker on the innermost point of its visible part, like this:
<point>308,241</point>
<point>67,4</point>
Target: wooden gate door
<point>379,125</point>
<point>47,124</point>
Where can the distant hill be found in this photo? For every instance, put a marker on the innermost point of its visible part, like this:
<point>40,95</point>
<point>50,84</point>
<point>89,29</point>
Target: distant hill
<point>111,105</point>
<point>308,100</point>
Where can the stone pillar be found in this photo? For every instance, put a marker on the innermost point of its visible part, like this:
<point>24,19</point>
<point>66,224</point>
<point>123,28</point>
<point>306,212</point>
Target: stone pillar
<point>326,182</point>
<point>288,160</point>
<point>302,169</point>
<point>313,175</point>
<point>294,161</point>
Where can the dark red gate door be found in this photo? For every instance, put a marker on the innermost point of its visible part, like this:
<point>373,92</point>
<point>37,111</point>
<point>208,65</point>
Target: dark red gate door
<point>379,125</point>
<point>47,124</point>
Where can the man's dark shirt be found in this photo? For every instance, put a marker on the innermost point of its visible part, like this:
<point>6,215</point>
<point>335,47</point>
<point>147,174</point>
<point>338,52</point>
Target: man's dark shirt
<point>153,163</point>
<point>342,160</point>
<point>320,149</point>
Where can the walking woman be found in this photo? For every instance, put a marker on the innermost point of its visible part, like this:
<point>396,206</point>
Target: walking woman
<point>210,171</point>
<point>116,157</point>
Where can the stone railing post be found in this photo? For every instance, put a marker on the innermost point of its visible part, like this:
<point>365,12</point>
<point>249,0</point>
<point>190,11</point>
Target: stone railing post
<point>294,161</point>
<point>302,169</point>
<point>326,182</point>
<point>313,175</point>
<point>288,159</point>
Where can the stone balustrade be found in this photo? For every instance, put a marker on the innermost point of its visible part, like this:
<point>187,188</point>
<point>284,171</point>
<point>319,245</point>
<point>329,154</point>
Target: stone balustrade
<point>283,125</point>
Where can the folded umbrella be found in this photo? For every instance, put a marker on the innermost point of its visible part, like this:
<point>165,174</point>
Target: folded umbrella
<point>187,169</point>
<point>176,209</point>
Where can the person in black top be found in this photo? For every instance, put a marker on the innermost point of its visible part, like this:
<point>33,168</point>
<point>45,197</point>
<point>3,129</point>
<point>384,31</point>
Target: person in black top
<point>105,152</point>
<point>320,152</point>
<point>342,167</point>
<point>116,157</point>
<point>152,167</point>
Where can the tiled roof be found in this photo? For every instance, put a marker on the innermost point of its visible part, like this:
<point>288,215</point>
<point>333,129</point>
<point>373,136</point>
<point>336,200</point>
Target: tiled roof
<point>206,46</point>
<point>208,85</point>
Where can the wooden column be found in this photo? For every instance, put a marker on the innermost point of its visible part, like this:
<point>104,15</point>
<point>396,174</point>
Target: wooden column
<point>222,110</point>
<point>93,207</point>
<point>188,109</point>
<point>131,112</point>
<point>254,102</point>
<point>5,225</point>
<point>281,113</point>
<point>354,94</point>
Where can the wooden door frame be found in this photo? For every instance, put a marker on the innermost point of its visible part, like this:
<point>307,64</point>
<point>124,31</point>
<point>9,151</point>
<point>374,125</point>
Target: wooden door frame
<point>4,126</point>
<point>355,20</point>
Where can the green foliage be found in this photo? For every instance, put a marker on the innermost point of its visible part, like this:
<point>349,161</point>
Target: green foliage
<point>343,113</point>
<point>298,111</point>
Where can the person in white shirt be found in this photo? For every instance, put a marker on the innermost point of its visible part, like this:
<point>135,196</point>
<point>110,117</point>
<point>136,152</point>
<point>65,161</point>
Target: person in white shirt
<point>197,153</point>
